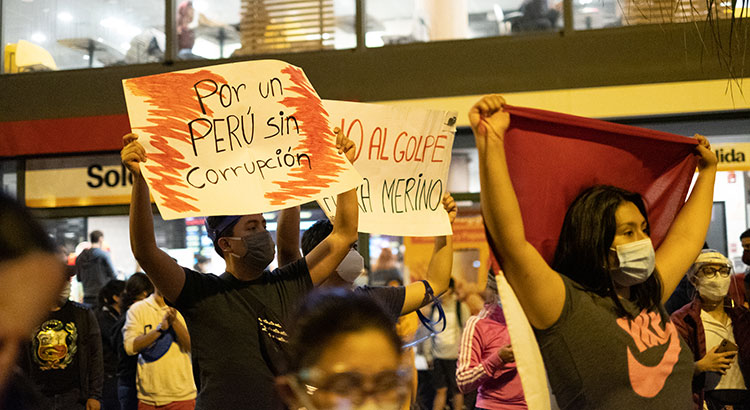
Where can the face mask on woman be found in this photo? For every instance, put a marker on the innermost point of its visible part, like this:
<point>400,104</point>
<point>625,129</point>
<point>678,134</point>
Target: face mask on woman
<point>713,288</point>
<point>637,261</point>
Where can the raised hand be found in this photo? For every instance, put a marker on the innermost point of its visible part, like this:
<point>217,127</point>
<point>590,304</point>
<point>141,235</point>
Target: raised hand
<point>132,154</point>
<point>708,157</point>
<point>488,119</point>
<point>345,145</point>
<point>450,206</point>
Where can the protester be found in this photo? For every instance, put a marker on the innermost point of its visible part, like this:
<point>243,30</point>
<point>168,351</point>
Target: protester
<point>745,241</point>
<point>485,359</point>
<point>589,308</point>
<point>705,324</point>
<point>344,354</point>
<point>397,300</point>
<point>94,268</point>
<point>156,334</point>
<point>107,314</point>
<point>31,277</point>
<point>137,288</point>
<point>444,347</point>
<point>236,319</point>
<point>64,356</point>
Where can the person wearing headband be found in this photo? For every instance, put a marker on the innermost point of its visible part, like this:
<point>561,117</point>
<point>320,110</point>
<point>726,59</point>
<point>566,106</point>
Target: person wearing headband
<point>235,320</point>
<point>718,335</point>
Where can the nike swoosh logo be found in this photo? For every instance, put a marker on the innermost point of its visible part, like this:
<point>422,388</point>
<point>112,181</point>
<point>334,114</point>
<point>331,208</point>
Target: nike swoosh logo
<point>647,381</point>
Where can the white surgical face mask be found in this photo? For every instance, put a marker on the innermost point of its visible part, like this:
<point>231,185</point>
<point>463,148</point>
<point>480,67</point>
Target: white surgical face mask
<point>713,288</point>
<point>64,293</point>
<point>351,266</point>
<point>637,261</point>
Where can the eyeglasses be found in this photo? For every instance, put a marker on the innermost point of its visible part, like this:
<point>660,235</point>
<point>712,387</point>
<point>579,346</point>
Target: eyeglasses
<point>710,272</point>
<point>388,388</point>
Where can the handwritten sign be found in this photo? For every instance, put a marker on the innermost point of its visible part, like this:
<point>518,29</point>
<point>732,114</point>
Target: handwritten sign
<point>403,155</point>
<point>235,138</point>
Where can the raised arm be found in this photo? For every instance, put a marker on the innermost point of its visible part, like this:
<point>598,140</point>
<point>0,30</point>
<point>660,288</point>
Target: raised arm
<point>287,235</point>
<point>539,289</point>
<point>687,233</point>
<point>440,267</point>
<point>163,271</point>
<point>324,258</point>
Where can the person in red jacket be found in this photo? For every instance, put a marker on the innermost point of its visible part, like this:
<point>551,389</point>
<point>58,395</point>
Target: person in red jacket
<point>718,335</point>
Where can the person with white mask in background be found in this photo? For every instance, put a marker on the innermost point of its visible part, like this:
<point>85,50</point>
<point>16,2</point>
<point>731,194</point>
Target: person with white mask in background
<point>398,300</point>
<point>718,335</point>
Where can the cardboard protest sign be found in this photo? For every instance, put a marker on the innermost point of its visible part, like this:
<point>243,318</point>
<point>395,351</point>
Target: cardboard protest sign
<point>403,155</point>
<point>237,138</point>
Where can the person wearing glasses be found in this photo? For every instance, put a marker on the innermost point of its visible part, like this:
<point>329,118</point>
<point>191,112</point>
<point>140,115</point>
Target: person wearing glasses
<point>718,335</point>
<point>344,354</point>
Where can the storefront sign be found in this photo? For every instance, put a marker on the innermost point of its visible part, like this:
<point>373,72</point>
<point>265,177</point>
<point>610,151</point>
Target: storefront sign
<point>77,181</point>
<point>237,138</point>
<point>403,155</point>
<point>733,156</point>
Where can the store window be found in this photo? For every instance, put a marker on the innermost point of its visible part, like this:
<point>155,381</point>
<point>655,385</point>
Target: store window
<point>42,35</point>
<point>408,21</point>
<point>8,176</point>
<point>225,28</point>
<point>596,14</point>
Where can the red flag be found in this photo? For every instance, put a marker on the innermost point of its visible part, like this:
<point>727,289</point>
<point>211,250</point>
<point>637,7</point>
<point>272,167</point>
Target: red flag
<point>552,157</point>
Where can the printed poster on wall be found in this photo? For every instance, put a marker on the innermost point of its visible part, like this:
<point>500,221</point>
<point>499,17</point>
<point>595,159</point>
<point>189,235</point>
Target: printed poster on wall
<point>403,155</point>
<point>239,138</point>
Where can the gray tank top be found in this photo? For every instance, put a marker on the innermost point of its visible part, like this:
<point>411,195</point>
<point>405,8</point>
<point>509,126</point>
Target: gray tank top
<point>597,360</point>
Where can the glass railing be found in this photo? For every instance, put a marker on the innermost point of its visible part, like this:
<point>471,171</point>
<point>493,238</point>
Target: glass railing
<point>41,35</point>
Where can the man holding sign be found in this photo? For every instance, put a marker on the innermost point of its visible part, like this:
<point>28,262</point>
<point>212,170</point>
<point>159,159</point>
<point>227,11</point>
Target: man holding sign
<point>235,319</point>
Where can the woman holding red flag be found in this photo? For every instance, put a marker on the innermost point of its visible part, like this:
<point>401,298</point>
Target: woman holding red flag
<point>605,338</point>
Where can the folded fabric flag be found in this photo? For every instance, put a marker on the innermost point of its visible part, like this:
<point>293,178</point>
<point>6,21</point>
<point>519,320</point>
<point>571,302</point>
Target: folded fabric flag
<point>552,157</point>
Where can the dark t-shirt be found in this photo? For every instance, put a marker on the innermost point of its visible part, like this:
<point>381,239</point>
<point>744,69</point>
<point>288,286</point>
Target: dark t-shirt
<point>597,360</point>
<point>54,352</point>
<point>224,333</point>
<point>390,298</point>
<point>107,318</point>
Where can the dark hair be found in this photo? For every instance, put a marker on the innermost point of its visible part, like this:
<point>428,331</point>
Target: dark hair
<point>107,293</point>
<point>745,234</point>
<point>136,284</point>
<point>21,234</point>
<point>315,235</point>
<point>586,236</point>
<point>328,313</point>
<point>95,236</point>
<point>214,222</point>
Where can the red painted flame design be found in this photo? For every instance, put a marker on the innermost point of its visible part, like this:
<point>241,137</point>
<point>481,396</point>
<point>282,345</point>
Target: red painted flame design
<point>314,132</point>
<point>174,104</point>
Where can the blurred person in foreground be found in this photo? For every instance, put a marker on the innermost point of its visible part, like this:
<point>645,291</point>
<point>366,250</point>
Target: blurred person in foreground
<point>31,277</point>
<point>345,354</point>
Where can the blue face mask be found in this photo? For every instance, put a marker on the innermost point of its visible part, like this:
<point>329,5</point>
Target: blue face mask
<point>637,261</point>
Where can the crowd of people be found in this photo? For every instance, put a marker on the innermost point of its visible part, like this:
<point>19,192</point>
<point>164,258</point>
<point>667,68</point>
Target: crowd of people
<point>305,335</point>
